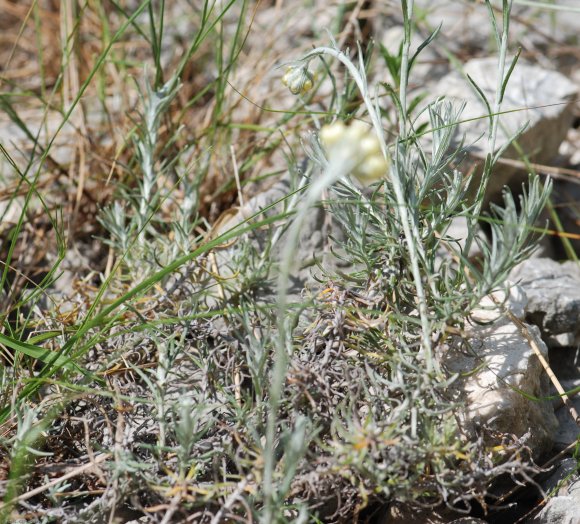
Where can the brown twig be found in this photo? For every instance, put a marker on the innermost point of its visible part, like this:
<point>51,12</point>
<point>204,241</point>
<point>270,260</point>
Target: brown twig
<point>71,474</point>
<point>563,173</point>
<point>534,345</point>
<point>544,466</point>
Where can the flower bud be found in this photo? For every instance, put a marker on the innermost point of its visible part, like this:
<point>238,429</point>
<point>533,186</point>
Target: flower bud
<point>298,79</point>
<point>371,168</point>
<point>357,130</point>
<point>369,145</point>
<point>332,134</point>
<point>359,143</point>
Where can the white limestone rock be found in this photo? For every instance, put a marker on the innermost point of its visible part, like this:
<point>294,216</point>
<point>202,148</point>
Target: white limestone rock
<point>553,291</point>
<point>541,98</point>
<point>564,508</point>
<point>497,371</point>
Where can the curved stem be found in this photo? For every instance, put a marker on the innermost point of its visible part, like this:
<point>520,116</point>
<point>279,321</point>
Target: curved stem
<point>492,138</point>
<point>404,81</point>
<point>336,170</point>
<point>410,231</point>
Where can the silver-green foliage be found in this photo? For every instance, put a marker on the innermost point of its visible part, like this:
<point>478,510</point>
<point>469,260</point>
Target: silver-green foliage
<point>394,432</point>
<point>257,415</point>
<point>134,224</point>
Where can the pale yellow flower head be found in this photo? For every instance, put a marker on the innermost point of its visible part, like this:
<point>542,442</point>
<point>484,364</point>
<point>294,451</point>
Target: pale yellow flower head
<point>298,79</point>
<point>359,143</point>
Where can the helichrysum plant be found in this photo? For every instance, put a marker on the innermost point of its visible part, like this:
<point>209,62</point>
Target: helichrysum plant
<point>134,225</point>
<point>385,319</point>
<point>209,401</point>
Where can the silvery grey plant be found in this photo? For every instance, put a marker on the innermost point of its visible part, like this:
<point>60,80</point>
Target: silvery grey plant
<point>357,399</point>
<point>395,232</point>
<point>132,226</point>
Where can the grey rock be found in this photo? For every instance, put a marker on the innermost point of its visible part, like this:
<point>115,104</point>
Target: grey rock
<point>564,472</point>
<point>495,365</point>
<point>466,31</point>
<point>431,65</point>
<point>568,430</point>
<point>563,24</point>
<point>564,508</point>
<point>538,97</point>
<point>553,291</point>
<point>464,25</point>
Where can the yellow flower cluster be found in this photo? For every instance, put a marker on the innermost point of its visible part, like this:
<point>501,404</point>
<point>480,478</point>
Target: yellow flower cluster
<point>361,144</point>
<point>298,79</point>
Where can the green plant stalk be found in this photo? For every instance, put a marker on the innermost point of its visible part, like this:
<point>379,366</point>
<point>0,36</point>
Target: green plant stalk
<point>409,227</point>
<point>334,172</point>
<point>498,96</point>
<point>409,224</point>
<point>492,138</point>
<point>404,74</point>
<point>500,78</point>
